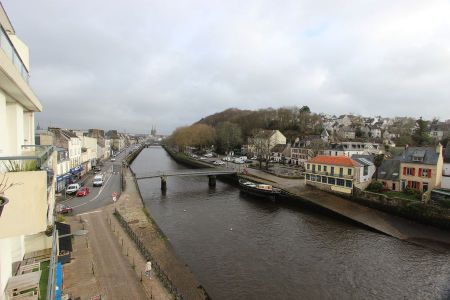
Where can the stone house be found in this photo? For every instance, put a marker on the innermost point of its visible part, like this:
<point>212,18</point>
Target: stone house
<point>264,141</point>
<point>389,174</point>
<point>446,168</point>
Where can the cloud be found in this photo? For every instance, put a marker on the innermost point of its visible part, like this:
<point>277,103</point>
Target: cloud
<point>131,64</point>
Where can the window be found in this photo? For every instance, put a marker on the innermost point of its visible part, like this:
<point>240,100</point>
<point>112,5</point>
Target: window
<point>314,168</point>
<point>340,182</point>
<point>417,158</point>
<point>332,170</point>
<point>425,173</point>
<point>341,171</point>
<point>331,180</point>
<point>319,168</point>
<point>366,170</point>
<point>324,168</point>
<point>348,183</point>
<point>308,166</point>
<point>349,172</point>
<point>308,177</point>
<point>324,179</point>
<point>409,171</point>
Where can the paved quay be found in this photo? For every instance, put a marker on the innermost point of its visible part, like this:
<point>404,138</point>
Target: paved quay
<point>132,210</point>
<point>401,228</point>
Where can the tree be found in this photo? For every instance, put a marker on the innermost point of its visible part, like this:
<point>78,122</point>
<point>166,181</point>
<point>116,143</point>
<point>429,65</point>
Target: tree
<point>377,161</point>
<point>420,135</point>
<point>228,136</point>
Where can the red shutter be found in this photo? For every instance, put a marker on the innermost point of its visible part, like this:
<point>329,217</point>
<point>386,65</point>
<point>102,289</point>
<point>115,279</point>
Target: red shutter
<point>409,183</point>
<point>429,173</point>
<point>404,170</point>
<point>420,172</point>
<point>413,171</point>
<point>418,185</point>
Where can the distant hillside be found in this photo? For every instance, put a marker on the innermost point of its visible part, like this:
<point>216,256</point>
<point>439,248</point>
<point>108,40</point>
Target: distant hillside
<point>291,121</point>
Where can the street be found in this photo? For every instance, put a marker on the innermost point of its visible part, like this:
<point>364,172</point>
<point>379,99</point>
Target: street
<point>99,196</point>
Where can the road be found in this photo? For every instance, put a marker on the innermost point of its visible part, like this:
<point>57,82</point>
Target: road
<point>99,196</point>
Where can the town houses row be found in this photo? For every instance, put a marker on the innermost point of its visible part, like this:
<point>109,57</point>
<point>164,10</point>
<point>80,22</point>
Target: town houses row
<point>342,166</point>
<point>79,151</point>
<point>34,165</point>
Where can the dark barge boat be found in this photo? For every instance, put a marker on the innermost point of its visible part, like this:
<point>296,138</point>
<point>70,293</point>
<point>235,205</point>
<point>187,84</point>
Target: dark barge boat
<point>259,189</point>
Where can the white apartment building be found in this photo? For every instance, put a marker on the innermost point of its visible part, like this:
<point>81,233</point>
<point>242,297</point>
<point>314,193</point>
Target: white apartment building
<point>30,168</point>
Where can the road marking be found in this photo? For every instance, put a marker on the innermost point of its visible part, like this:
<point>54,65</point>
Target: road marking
<point>91,212</point>
<point>99,192</point>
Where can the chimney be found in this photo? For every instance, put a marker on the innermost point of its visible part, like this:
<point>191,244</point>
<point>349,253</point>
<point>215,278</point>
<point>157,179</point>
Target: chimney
<point>439,148</point>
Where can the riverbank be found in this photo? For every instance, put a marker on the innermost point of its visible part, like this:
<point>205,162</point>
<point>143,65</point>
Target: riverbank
<point>390,224</point>
<point>176,275</point>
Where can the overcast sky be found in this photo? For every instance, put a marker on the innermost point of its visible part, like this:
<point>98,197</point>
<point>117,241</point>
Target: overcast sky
<point>130,64</point>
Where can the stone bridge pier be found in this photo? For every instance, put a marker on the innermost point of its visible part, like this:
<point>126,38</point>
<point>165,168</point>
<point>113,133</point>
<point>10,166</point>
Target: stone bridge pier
<point>212,180</point>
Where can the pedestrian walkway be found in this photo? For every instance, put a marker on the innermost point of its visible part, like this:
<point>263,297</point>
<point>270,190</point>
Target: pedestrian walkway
<point>105,262</point>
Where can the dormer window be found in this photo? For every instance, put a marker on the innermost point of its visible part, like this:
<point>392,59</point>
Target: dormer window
<point>417,158</point>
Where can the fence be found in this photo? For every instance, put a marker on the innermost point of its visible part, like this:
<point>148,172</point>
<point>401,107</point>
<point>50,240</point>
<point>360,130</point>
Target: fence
<point>147,255</point>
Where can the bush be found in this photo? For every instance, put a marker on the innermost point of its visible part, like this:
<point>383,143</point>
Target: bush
<point>375,186</point>
<point>413,192</point>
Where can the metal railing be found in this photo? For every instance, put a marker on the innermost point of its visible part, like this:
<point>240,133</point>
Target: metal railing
<point>148,256</point>
<point>8,47</point>
<point>51,284</point>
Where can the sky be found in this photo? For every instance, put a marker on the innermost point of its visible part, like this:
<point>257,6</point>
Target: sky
<point>130,65</point>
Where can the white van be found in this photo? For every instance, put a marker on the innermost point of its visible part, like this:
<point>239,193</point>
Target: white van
<point>98,180</point>
<point>72,188</point>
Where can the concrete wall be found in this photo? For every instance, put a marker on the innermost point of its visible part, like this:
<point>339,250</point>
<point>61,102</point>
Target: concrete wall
<point>26,212</point>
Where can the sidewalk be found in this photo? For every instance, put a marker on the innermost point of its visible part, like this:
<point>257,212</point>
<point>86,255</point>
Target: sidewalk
<point>105,262</point>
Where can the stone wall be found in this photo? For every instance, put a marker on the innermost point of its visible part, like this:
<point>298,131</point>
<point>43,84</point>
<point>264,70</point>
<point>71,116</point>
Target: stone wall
<point>414,210</point>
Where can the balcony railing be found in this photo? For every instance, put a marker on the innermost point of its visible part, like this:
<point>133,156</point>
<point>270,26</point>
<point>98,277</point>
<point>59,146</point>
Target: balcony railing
<point>7,46</point>
<point>31,158</point>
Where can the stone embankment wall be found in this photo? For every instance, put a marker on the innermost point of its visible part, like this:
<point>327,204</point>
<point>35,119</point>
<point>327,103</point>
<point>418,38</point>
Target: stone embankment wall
<point>414,210</point>
<point>181,158</point>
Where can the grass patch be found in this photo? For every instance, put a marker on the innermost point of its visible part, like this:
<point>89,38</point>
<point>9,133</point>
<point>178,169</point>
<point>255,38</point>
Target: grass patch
<point>401,195</point>
<point>44,280</point>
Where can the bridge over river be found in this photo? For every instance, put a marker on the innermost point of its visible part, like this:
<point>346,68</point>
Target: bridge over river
<point>210,172</point>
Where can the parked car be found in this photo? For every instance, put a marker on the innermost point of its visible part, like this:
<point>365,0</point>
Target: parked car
<point>64,209</point>
<point>209,155</point>
<point>84,191</point>
<point>98,180</point>
<point>96,169</point>
<point>113,159</point>
<point>227,158</point>
<point>254,157</point>
<point>203,158</point>
<point>72,188</point>
<point>238,161</point>
<point>219,163</point>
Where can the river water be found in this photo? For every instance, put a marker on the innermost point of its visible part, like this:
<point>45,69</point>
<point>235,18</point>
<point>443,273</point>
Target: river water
<point>241,247</point>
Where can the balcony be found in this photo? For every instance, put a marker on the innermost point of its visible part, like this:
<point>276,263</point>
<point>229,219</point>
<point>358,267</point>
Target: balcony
<point>7,46</point>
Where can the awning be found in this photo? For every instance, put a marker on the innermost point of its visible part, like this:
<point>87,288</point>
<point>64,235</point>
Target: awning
<point>76,170</point>
<point>65,243</point>
<point>63,177</point>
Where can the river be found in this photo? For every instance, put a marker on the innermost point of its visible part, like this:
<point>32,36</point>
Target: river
<point>241,247</point>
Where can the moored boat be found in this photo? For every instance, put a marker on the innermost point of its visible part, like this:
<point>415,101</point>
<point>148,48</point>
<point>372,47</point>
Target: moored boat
<point>259,189</point>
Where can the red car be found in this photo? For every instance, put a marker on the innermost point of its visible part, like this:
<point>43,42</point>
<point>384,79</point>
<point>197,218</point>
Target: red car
<point>82,192</point>
<point>64,209</point>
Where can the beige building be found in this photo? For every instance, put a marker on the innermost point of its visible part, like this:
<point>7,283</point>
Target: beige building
<point>30,168</point>
<point>421,168</point>
<point>335,173</point>
<point>264,141</point>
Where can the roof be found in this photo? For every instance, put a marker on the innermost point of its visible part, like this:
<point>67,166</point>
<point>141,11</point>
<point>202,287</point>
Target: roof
<point>343,161</point>
<point>365,160</point>
<point>265,133</point>
<point>427,155</point>
<point>389,170</point>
